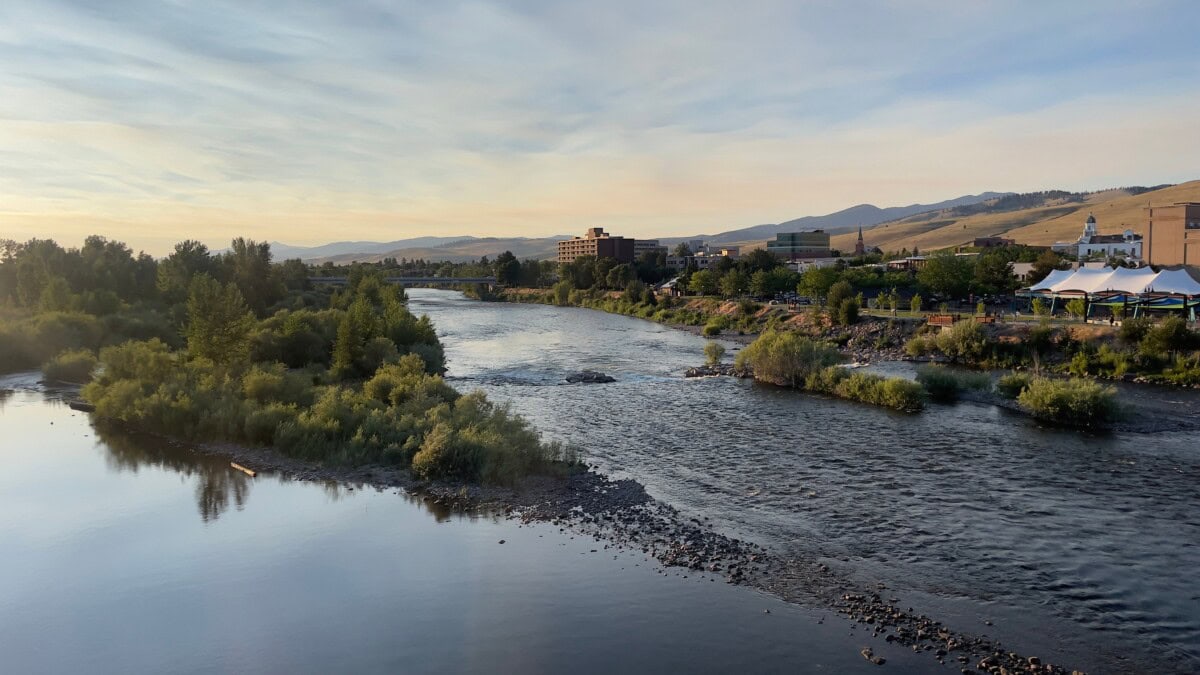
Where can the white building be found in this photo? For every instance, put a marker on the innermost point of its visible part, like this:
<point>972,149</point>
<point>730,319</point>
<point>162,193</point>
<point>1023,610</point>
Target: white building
<point>1090,243</point>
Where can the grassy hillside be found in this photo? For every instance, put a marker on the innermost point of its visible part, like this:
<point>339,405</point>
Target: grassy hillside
<point>1054,219</point>
<point>463,251</point>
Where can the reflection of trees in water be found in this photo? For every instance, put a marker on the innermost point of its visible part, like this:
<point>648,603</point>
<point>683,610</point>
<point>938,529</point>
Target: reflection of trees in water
<point>216,483</point>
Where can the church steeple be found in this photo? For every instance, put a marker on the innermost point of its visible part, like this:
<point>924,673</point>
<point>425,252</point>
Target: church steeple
<point>859,247</point>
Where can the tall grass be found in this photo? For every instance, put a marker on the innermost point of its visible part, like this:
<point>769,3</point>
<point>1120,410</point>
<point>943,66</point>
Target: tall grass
<point>944,384</point>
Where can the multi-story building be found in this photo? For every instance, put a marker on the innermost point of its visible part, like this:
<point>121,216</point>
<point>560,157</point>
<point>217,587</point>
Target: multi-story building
<point>702,260</point>
<point>1173,234</point>
<point>598,243</point>
<point>797,245</point>
<point>643,246</point>
<point>1091,243</point>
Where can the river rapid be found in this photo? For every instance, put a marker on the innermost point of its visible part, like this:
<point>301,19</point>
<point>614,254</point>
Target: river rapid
<point>1082,548</point>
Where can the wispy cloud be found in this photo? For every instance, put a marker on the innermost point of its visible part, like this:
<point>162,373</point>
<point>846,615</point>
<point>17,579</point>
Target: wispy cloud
<point>309,121</point>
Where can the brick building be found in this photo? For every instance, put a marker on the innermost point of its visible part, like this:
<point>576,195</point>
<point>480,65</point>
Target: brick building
<point>596,242</point>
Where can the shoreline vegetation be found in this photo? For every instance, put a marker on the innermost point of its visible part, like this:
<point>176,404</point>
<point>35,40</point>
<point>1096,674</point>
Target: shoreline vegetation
<point>242,356</point>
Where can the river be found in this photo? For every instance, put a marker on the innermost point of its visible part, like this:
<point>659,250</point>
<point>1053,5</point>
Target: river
<point>1084,548</point>
<point>125,553</point>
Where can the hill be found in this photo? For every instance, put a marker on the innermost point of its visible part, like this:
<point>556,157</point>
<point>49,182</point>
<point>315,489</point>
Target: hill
<point>846,219</point>
<point>281,251</point>
<point>1035,219</point>
<point>463,250</point>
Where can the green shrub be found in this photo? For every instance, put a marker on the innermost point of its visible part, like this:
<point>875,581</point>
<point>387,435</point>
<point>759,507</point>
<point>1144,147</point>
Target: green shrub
<point>944,384</point>
<point>71,366</point>
<point>1133,329</point>
<point>1073,402</point>
<point>1011,385</point>
<point>785,358</point>
<point>713,353</point>
<point>916,346</point>
<point>965,341</point>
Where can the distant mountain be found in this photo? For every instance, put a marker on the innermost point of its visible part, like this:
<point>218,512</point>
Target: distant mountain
<point>865,215</point>
<point>462,250</point>
<point>281,251</point>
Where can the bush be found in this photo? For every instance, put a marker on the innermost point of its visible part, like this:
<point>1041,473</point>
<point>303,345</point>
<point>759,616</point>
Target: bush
<point>713,353</point>
<point>786,358</point>
<point>916,346</point>
<point>965,341</point>
<point>1011,385</point>
<point>711,328</point>
<point>1072,402</point>
<point>1132,330</point>
<point>896,393</point>
<point>847,312</point>
<point>1170,335</point>
<point>944,384</point>
<point>71,366</point>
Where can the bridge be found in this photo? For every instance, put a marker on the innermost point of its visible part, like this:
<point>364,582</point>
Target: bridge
<point>412,281</point>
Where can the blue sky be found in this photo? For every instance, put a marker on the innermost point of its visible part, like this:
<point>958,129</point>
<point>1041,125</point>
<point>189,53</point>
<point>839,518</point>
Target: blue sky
<point>308,122</point>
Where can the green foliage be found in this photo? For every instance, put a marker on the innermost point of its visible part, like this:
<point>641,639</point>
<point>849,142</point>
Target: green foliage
<point>1011,385</point>
<point>1168,336</point>
<point>917,346</point>
<point>1076,307</point>
<point>713,353</point>
<point>1133,329</point>
<point>703,282</point>
<point>786,358</point>
<point>847,312</point>
<point>915,303</point>
<point>562,292</point>
<point>1039,307</point>
<point>71,366</point>
<point>838,293</point>
<point>896,393</point>
<point>965,341</point>
<point>219,322</point>
<point>946,273</point>
<point>1072,402</point>
<point>944,384</point>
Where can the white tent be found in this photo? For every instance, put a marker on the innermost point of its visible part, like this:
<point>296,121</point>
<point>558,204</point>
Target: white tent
<point>1174,282</point>
<point>1141,281</point>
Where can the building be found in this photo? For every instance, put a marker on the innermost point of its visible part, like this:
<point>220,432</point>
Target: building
<point>1090,243</point>
<point>1173,234</point>
<point>705,258</point>
<point>860,249</point>
<point>990,242</point>
<point>797,245</point>
<point>644,246</point>
<point>596,242</point>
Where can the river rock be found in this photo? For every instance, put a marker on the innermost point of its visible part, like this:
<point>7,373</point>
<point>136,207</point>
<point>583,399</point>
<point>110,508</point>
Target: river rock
<point>590,377</point>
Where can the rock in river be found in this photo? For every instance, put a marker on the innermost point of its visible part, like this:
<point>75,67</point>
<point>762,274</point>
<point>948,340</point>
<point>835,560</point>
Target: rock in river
<point>589,377</point>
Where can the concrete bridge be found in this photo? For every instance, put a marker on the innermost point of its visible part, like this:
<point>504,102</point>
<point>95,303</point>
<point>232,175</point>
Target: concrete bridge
<point>413,281</point>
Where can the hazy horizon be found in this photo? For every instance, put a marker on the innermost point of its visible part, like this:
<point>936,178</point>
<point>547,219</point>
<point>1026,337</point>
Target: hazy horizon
<point>309,123</point>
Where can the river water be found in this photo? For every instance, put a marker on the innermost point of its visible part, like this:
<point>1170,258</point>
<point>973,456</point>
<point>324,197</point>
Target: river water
<point>128,554</point>
<point>1081,548</point>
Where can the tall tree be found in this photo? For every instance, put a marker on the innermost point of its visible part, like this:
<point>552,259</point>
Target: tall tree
<point>508,269</point>
<point>219,322</point>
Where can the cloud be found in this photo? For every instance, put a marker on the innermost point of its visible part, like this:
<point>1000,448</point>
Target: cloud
<point>310,121</point>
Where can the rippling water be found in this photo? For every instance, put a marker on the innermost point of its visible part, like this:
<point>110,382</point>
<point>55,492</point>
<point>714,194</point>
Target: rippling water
<point>1075,544</point>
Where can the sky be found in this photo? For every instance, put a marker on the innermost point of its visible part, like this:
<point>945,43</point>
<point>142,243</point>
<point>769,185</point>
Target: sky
<point>152,121</point>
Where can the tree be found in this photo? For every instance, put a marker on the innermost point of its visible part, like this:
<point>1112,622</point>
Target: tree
<point>733,283</point>
<point>703,282</point>
<point>759,284</point>
<point>838,293</point>
<point>993,274</point>
<point>1076,307</point>
<point>816,281</point>
<point>1044,265</point>
<point>619,276</point>
<point>915,304</point>
<point>507,269</point>
<point>248,264</point>
<point>681,250</point>
<point>947,274</point>
<point>219,322</point>
<point>759,259</point>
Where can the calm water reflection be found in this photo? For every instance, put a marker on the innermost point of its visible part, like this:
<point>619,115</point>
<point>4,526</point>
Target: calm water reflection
<point>128,555</point>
